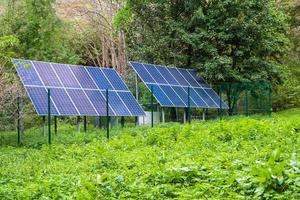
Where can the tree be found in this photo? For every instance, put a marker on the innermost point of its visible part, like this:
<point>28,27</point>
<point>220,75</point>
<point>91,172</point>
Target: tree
<point>225,40</point>
<point>40,32</point>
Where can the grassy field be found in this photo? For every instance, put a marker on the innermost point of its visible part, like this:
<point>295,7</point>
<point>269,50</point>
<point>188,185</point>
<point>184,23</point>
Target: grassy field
<point>236,158</point>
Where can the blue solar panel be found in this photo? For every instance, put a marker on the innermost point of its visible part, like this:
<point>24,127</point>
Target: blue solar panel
<point>142,72</point>
<point>114,79</point>
<point>180,79</point>
<point>160,96</point>
<point>173,96</point>
<point>155,74</point>
<point>27,73</point>
<point>63,102</point>
<point>183,93</point>
<point>83,77</point>
<point>82,103</point>
<point>129,100</point>
<point>65,74</point>
<point>76,90</point>
<point>99,102</point>
<point>39,98</point>
<point>167,75</point>
<point>99,78</point>
<point>199,79</point>
<point>213,95</point>
<point>209,101</point>
<point>47,74</point>
<point>171,86</point>
<point>119,107</point>
<point>198,99</point>
<point>189,78</point>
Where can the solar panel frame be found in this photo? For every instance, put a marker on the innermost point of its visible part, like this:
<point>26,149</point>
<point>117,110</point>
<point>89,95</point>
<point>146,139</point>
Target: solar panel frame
<point>178,77</point>
<point>68,83</point>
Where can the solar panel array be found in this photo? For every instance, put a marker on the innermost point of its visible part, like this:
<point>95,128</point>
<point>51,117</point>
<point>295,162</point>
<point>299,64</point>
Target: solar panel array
<point>170,86</point>
<point>76,90</point>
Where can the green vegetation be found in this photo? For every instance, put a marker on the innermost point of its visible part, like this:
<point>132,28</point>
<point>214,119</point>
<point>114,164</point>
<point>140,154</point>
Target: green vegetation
<point>236,158</point>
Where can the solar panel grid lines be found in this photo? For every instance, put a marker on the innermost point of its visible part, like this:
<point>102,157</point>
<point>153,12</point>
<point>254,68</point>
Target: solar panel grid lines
<point>103,96</point>
<point>197,92</point>
<point>157,84</point>
<point>70,71</point>
<point>174,82</point>
<point>65,90</point>
<point>119,96</point>
<point>74,90</point>
<point>44,86</point>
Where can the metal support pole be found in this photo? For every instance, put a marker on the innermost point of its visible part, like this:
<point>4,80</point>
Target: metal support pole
<point>163,115</point>
<point>19,119</point>
<point>84,123</point>
<point>49,117</point>
<point>203,114</point>
<point>55,125</point>
<point>44,126</point>
<point>189,107</point>
<point>152,106</point>
<point>78,123</point>
<point>122,121</point>
<point>100,122</point>
<point>107,115</point>
<point>185,115</point>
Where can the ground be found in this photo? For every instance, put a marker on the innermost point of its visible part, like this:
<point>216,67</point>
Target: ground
<point>233,158</point>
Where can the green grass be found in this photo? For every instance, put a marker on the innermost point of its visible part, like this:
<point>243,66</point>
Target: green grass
<point>236,158</point>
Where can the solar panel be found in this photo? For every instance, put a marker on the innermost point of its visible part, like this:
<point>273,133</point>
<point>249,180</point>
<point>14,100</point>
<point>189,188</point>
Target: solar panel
<point>76,90</point>
<point>170,86</point>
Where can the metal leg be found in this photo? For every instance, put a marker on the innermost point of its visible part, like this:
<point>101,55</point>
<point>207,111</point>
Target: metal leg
<point>84,123</point>
<point>55,125</point>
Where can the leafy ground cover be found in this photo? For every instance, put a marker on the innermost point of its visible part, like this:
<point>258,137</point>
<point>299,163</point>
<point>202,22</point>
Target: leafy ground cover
<point>235,158</point>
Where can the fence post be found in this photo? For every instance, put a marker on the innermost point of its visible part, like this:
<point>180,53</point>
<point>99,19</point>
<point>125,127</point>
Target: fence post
<point>107,115</point>
<point>152,106</point>
<point>122,121</point>
<point>55,125</point>
<point>84,123</point>
<point>49,117</point>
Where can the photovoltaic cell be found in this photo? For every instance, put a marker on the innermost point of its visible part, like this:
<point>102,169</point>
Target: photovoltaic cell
<point>114,79</point>
<point>119,107</point>
<point>99,78</point>
<point>176,100</point>
<point>167,75</point>
<point>63,102</point>
<point>27,73</point>
<point>39,98</point>
<point>178,76</point>
<point>99,102</point>
<point>160,95</point>
<point>129,100</point>
<point>64,73</point>
<point>143,73</point>
<point>171,86</point>
<point>47,74</point>
<point>155,74</point>
<point>83,77</point>
<point>82,102</point>
<point>206,97</point>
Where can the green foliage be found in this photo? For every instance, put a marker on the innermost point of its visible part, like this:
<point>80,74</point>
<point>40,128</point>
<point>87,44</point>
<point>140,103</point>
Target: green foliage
<point>40,32</point>
<point>224,40</point>
<point>8,46</point>
<point>236,158</point>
